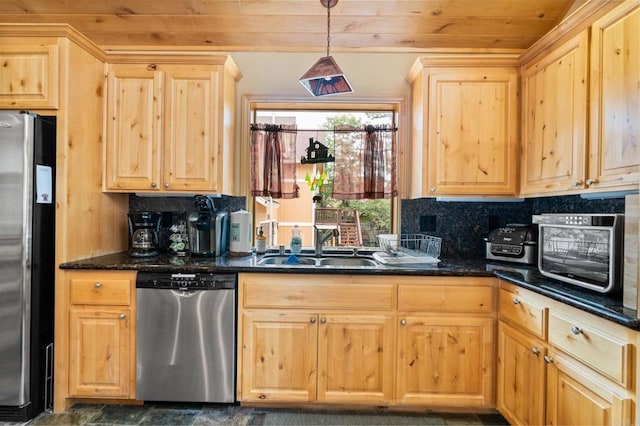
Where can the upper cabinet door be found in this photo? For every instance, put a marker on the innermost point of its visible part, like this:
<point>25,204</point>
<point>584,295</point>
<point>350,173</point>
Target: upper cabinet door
<point>134,117</point>
<point>191,128</point>
<point>615,98</point>
<point>472,131</point>
<point>30,76</point>
<point>555,119</point>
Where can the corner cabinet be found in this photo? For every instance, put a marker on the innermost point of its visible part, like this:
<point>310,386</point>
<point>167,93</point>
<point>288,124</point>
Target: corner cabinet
<point>170,124</point>
<point>101,334</point>
<point>464,126</point>
<point>561,366</point>
<point>581,102</point>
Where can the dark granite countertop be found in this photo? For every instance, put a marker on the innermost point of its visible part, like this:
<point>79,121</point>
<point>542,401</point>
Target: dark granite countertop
<point>607,307</point>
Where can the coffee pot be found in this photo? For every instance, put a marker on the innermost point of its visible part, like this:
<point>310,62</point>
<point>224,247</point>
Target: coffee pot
<point>144,229</point>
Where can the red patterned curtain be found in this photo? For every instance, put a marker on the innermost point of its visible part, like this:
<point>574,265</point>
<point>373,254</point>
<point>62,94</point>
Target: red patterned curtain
<point>365,165</point>
<point>273,161</point>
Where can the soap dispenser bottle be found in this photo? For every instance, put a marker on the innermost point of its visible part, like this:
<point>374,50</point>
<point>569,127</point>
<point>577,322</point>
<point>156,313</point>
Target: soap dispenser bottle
<point>261,242</point>
<point>296,240</point>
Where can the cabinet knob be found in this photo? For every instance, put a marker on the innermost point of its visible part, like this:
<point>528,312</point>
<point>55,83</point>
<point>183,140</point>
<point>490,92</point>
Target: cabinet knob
<point>403,322</point>
<point>548,359</point>
<point>515,301</point>
<point>535,351</point>
<point>312,320</point>
<point>576,330</point>
<point>154,185</point>
<point>122,316</point>
<point>98,285</point>
<point>618,51</point>
<point>166,186</point>
<point>323,320</point>
<point>590,182</point>
<point>432,189</point>
<point>577,183</point>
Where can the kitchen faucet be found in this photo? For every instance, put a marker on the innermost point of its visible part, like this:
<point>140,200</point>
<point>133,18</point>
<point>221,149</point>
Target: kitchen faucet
<point>321,238</point>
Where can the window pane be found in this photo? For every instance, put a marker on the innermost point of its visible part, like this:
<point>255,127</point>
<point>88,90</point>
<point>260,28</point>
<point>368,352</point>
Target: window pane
<point>358,221</point>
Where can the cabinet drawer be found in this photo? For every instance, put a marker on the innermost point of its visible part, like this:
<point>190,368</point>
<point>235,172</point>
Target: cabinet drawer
<point>599,350</point>
<point>315,292</point>
<point>100,290</point>
<point>523,312</point>
<point>445,298</point>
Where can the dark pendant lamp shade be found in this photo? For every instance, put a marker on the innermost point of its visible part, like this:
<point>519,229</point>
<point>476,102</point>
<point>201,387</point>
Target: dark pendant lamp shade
<point>325,76</point>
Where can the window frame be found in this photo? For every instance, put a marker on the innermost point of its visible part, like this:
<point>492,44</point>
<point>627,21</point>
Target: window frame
<point>250,103</point>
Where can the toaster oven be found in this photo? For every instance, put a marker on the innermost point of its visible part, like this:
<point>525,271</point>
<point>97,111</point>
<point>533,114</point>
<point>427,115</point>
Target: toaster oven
<point>582,249</point>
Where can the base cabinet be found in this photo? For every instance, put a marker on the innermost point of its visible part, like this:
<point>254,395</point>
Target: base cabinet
<point>101,334</point>
<point>445,361</point>
<point>558,377</point>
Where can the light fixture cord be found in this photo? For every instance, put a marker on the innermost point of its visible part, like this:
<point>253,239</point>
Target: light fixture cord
<point>328,25</point>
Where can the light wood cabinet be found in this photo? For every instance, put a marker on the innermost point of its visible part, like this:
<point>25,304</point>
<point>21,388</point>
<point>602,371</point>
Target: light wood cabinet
<point>464,126</point>
<point>170,125</point>
<point>446,345</point>
<point>30,76</point>
<point>521,376</point>
<point>341,352</point>
<point>101,334</point>
<point>576,372</point>
<point>580,107</point>
<point>554,127</point>
<point>614,154</point>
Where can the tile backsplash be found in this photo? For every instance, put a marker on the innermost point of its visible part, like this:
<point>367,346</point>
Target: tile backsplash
<point>462,225</point>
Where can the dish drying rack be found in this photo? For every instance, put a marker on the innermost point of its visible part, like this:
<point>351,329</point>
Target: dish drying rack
<point>408,249</point>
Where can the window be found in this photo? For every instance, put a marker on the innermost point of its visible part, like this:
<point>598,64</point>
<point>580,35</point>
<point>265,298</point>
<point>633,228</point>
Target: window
<point>358,221</point>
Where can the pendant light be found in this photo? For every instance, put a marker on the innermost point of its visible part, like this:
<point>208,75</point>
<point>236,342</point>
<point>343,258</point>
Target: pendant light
<point>325,76</point>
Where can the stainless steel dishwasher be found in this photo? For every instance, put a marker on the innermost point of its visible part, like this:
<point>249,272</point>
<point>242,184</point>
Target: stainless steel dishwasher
<point>186,337</point>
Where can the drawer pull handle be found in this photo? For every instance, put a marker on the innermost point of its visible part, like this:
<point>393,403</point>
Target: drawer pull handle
<point>516,301</point>
<point>312,320</point>
<point>153,184</point>
<point>323,320</point>
<point>403,322</point>
<point>122,316</point>
<point>98,285</point>
<point>548,359</point>
<point>535,351</point>
<point>576,330</point>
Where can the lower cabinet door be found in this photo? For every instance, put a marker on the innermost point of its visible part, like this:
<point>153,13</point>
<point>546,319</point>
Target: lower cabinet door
<point>576,395</point>
<point>279,356</point>
<point>355,358</point>
<point>445,361</point>
<point>521,377</point>
<point>100,356</point>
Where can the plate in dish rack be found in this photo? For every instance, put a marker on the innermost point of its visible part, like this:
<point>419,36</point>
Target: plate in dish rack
<point>404,259</point>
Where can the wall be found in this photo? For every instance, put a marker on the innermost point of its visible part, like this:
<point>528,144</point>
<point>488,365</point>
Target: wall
<point>277,73</point>
<point>462,225</point>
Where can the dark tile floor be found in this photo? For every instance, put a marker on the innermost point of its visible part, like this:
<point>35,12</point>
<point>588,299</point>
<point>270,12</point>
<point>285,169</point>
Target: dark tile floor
<point>211,414</point>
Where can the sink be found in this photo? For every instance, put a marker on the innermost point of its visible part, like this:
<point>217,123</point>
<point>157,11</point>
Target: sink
<point>337,261</point>
<point>347,261</point>
<point>280,260</point>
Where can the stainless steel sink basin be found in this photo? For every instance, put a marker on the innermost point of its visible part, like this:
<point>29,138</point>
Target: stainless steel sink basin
<point>281,260</point>
<point>347,261</point>
<point>336,261</point>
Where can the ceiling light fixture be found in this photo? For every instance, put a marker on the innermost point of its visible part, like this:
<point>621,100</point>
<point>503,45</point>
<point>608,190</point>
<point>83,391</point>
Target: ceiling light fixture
<point>325,76</point>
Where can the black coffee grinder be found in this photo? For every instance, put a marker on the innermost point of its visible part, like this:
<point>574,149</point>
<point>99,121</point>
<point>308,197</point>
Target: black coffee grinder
<point>144,231</point>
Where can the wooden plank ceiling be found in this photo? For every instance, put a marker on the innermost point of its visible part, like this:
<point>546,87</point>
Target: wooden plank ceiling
<point>300,25</point>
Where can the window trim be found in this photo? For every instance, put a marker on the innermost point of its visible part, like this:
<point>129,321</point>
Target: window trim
<point>397,104</point>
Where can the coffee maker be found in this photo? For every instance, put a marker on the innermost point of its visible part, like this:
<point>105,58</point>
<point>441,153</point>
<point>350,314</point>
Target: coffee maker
<point>144,229</point>
<point>208,230</point>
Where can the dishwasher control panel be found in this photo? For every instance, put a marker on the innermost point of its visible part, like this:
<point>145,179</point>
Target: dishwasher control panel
<point>186,280</point>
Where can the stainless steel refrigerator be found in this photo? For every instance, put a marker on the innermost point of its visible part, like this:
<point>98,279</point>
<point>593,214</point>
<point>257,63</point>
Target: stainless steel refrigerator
<point>27,263</point>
